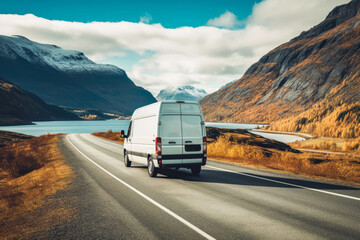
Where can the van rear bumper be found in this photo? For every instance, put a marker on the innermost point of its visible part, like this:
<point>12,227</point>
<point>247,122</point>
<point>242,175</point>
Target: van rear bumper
<point>188,165</point>
<point>180,156</point>
<point>165,161</point>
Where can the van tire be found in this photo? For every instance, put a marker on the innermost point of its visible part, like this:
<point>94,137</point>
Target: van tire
<point>127,162</point>
<point>196,170</point>
<point>152,170</point>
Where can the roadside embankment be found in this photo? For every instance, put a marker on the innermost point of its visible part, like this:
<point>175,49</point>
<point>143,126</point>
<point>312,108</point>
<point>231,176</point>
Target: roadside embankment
<point>110,135</point>
<point>31,171</point>
<point>248,149</point>
<point>345,145</point>
<point>9,138</point>
<point>239,146</point>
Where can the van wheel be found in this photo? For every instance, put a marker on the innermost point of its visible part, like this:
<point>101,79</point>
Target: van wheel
<point>196,170</point>
<point>127,162</point>
<point>152,170</point>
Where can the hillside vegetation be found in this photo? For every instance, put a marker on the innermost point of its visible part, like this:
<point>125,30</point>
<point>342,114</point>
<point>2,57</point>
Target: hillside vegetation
<point>329,120</point>
<point>30,171</point>
<point>18,106</point>
<point>328,166</point>
<point>309,84</point>
<point>242,147</point>
<point>110,135</point>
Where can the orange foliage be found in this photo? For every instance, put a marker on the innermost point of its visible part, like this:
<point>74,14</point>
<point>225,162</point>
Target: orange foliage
<point>30,171</point>
<point>110,135</point>
<point>330,82</point>
<point>329,120</point>
<point>308,164</point>
<point>352,145</point>
<point>24,157</point>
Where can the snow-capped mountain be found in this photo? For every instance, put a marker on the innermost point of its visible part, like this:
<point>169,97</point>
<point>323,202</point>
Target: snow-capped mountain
<point>187,93</point>
<point>52,55</point>
<point>68,78</point>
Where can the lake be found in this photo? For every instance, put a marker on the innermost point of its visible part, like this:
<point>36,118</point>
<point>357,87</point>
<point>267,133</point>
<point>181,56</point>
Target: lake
<point>69,127</point>
<point>116,125</point>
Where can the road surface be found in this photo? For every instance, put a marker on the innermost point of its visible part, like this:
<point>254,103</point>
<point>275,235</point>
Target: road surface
<point>224,202</point>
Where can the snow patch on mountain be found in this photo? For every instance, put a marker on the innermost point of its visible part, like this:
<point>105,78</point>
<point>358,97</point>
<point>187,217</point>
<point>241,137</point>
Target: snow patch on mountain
<point>187,93</point>
<point>16,46</point>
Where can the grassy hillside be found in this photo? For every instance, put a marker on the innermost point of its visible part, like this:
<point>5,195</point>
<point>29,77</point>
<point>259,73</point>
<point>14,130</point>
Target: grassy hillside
<point>309,84</point>
<point>30,171</point>
<point>18,106</point>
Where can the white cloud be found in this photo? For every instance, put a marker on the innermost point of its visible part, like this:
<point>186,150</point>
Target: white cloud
<point>207,57</point>
<point>226,20</point>
<point>146,19</point>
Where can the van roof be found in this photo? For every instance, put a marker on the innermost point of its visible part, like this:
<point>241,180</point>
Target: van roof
<point>178,101</point>
<point>155,108</point>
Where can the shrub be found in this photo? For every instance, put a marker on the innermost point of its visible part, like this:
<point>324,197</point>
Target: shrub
<point>24,157</point>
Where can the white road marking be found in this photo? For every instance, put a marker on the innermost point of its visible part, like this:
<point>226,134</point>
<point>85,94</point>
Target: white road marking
<point>171,213</point>
<point>285,183</point>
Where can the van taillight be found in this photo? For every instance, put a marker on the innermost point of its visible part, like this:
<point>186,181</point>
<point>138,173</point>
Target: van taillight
<point>204,144</point>
<point>158,145</point>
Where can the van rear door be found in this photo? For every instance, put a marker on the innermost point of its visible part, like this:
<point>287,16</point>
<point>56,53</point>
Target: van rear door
<point>171,140</point>
<point>192,133</point>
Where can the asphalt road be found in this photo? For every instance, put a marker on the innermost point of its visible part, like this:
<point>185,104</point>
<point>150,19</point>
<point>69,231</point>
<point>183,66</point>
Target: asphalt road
<point>224,202</point>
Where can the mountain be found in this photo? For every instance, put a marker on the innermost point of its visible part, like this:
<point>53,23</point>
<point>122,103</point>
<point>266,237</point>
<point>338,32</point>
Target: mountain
<point>187,93</point>
<point>68,78</point>
<point>302,81</point>
<point>227,84</point>
<point>21,107</point>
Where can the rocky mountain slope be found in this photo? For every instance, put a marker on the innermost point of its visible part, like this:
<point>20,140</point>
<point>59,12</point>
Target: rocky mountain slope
<point>68,78</point>
<point>187,93</point>
<point>21,107</point>
<point>318,69</point>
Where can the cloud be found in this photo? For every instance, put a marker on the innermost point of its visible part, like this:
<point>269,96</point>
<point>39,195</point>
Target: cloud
<point>226,20</point>
<point>286,15</point>
<point>146,19</point>
<point>207,56</point>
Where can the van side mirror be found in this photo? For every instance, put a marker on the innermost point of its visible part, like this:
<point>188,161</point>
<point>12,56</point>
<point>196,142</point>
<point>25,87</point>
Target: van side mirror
<point>122,134</point>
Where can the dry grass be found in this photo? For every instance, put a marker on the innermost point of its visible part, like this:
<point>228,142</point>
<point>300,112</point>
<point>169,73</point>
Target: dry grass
<point>307,164</point>
<point>8,138</point>
<point>110,135</point>
<point>226,148</point>
<point>351,146</point>
<point>330,144</point>
<point>325,119</point>
<point>30,171</point>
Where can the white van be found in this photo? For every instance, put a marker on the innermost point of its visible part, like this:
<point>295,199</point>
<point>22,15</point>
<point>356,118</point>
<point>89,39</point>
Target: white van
<point>167,134</point>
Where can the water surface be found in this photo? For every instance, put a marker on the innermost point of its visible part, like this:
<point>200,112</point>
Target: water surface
<point>285,138</point>
<point>116,125</point>
<point>234,125</point>
<point>69,127</point>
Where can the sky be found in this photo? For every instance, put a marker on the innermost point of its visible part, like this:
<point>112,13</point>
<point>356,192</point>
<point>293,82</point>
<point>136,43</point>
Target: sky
<point>162,44</point>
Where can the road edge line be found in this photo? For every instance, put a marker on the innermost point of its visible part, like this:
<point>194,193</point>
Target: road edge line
<point>289,184</point>
<point>168,211</point>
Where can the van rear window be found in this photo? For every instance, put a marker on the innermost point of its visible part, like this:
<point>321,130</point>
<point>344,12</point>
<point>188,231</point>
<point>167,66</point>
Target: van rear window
<point>170,126</point>
<point>190,108</point>
<point>170,108</point>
